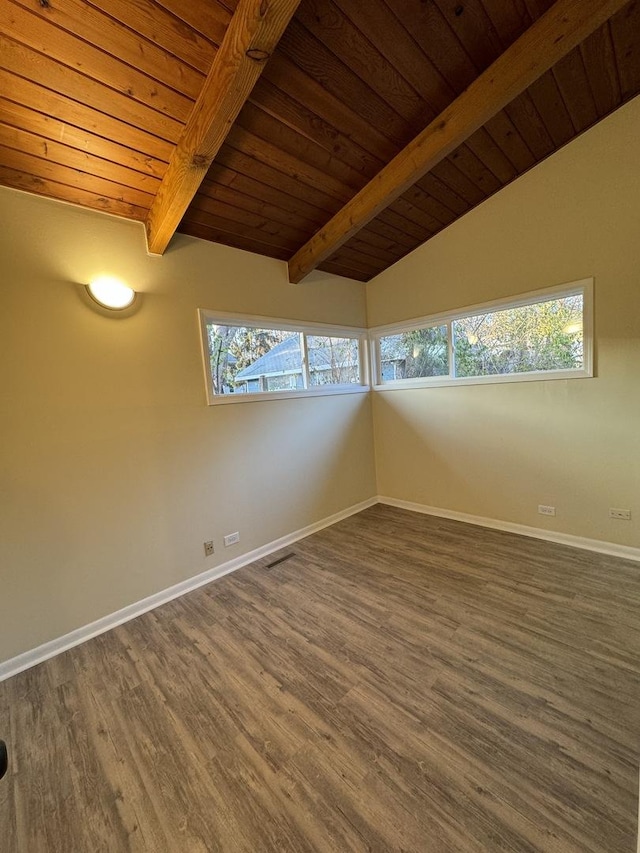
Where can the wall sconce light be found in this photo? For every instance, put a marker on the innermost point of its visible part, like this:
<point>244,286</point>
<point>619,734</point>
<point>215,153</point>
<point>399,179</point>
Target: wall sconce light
<point>111,293</point>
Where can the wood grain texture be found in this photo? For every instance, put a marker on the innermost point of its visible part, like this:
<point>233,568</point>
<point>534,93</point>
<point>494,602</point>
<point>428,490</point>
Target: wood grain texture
<point>129,47</point>
<point>65,48</point>
<point>25,62</point>
<point>31,120</point>
<point>82,160</point>
<point>72,119</point>
<point>25,177</point>
<point>400,682</point>
<point>41,169</point>
<point>251,37</point>
<point>625,28</point>
<point>543,45</point>
<point>349,85</point>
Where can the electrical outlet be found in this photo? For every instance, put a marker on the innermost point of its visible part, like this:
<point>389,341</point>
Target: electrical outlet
<point>546,510</point>
<point>622,514</point>
<point>208,549</point>
<point>231,539</point>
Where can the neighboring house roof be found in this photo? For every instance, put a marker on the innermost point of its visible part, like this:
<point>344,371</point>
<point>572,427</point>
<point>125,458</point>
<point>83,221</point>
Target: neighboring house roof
<point>282,358</point>
<point>285,357</point>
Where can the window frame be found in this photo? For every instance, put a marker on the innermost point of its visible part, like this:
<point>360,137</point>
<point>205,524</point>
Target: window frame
<point>583,287</point>
<point>305,329</point>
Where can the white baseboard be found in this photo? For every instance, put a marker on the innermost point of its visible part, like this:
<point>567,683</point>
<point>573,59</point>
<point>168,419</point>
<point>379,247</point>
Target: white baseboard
<point>611,548</point>
<point>74,638</point>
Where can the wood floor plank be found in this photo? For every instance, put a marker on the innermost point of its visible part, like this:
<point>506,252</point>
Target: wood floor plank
<point>398,682</point>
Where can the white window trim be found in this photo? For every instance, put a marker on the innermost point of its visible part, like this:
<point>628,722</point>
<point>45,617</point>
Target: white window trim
<point>583,287</point>
<point>310,329</point>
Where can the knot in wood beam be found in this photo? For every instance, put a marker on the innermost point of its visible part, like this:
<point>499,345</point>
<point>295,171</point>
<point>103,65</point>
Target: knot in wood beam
<point>257,54</point>
<point>200,161</point>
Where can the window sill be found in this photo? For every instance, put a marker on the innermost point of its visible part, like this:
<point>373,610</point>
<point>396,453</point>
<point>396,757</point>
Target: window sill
<point>495,379</point>
<point>227,399</point>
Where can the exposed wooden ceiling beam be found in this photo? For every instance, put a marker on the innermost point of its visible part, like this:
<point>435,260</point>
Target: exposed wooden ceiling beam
<point>551,37</point>
<point>249,41</point>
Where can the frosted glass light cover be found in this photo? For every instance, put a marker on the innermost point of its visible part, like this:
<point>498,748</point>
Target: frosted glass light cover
<point>111,293</point>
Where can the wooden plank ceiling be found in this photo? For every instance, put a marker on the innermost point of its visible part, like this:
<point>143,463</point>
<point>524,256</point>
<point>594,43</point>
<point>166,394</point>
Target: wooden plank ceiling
<point>95,97</point>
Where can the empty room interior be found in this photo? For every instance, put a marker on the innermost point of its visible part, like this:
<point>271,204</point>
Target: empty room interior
<point>320,412</point>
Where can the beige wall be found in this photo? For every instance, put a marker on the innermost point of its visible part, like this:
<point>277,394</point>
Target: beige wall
<point>113,471</point>
<point>500,450</point>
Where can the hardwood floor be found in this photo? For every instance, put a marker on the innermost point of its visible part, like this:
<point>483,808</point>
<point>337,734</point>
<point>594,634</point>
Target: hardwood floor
<point>401,683</point>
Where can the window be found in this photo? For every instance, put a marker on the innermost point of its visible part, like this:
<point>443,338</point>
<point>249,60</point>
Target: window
<point>542,335</point>
<point>254,358</point>
<point>414,354</point>
<point>332,360</point>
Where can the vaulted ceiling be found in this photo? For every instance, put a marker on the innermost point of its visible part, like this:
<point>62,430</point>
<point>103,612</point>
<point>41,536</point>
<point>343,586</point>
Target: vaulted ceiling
<point>373,125</point>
